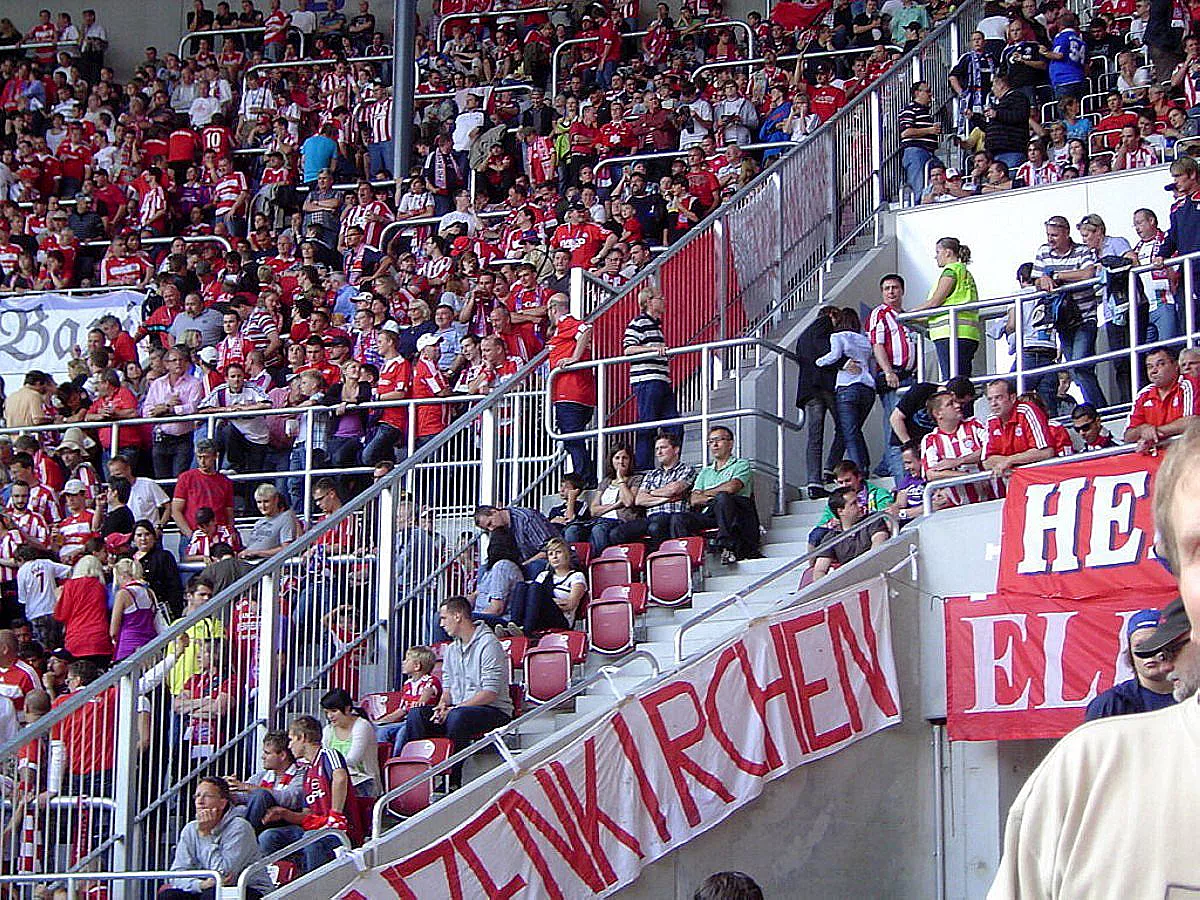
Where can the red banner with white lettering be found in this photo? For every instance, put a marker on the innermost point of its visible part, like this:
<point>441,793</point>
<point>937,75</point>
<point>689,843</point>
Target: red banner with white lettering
<point>672,761</point>
<point>1082,531</point>
<point>1076,560</point>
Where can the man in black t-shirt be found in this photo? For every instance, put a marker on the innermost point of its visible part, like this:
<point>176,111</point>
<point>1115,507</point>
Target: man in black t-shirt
<point>911,422</point>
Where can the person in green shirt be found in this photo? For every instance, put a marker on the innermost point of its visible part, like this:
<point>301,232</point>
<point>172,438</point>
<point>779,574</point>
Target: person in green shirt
<point>871,497</point>
<point>722,498</point>
<point>955,286</point>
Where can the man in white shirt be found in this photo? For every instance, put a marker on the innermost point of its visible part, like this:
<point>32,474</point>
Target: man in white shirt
<point>1068,832</point>
<point>468,123</point>
<point>204,107</point>
<point>146,499</point>
<point>243,441</point>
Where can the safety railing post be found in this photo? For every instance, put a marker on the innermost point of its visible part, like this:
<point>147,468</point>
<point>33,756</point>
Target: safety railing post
<point>720,270</point>
<point>308,466</point>
<point>385,585</point>
<point>953,342</point>
<point>1019,334</point>
<point>126,851</point>
<point>780,447</point>
<point>1189,305</point>
<point>780,280</point>
<point>1134,330</point>
<point>488,462</point>
<point>875,108</point>
<point>268,655</point>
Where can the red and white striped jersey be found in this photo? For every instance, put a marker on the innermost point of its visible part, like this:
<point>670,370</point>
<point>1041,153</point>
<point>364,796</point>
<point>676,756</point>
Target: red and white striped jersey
<point>31,525</point>
<point>275,25</point>
<point>76,529</point>
<point>124,270</point>
<point>1033,176</point>
<point>380,120</point>
<point>227,190</point>
<point>969,437</point>
<point>437,268</point>
<point>1143,157</point>
<point>361,213</point>
<point>884,328</point>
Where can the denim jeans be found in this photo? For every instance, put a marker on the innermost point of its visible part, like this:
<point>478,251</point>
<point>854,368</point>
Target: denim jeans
<point>1162,324</point>
<point>379,158</point>
<point>914,160</point>
<point>1046,383</point>
<point>854,402</point>
<point>966,356</point>
<point>295,483</point>
<point>655,400</point>
<point>570,417</point>
<point>462,725</point>
<point>821,403</point>
<point>314,855</point>
<point>602,535</point>
<point>382,444</point>
<point>1118,339</point>
<point>1077,344</point>
<point>171,455</point>
<point>892,464</point>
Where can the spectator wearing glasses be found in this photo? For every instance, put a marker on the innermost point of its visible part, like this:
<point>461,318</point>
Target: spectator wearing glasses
<point>1149,688</point>
<point>723,498</point>
<point>1085,420</point>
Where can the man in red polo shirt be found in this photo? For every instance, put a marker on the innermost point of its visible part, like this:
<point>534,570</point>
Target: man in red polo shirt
<point>520,338</point>
<point>428,382</point>
<point>202,486</point>
<point>587,241</point>
<point>1017,433</point>
<point>1164,407</point>
<point>572,393</point>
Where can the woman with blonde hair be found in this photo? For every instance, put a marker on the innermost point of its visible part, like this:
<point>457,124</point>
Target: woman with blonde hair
<point>82,607</point>
<point>134,615</point>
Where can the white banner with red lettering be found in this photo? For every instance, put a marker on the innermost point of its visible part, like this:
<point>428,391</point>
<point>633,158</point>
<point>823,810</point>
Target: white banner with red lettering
<point>1076,561</point>
<point>42,331</point>
<point>671,761</point>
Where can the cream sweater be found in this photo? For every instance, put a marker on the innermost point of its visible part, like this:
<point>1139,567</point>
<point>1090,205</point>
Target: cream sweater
<point>1113,811</point>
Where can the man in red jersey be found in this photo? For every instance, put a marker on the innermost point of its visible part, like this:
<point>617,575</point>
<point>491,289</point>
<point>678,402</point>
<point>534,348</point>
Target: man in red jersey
<point>572,393</point>
<point>587,241</point>
<point>1018,433</point>
<point>1165,406</point>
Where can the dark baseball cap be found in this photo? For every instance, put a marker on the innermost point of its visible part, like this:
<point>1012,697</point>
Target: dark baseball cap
<point>1173,625</point>
<point>961,386</point>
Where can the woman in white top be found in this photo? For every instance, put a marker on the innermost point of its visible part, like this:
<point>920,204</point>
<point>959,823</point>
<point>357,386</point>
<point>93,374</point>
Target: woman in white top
<point>800,123</point>
<point>855,394</point>
<point>350,733</point>
<point>568,585</point>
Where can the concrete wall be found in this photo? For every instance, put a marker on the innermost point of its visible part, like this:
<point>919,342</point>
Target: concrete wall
<point>856,824</point>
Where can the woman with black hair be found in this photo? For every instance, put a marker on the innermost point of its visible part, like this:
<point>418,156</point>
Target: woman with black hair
<point>159,566</point>
<point>351,733</point>
<point>855,392</point>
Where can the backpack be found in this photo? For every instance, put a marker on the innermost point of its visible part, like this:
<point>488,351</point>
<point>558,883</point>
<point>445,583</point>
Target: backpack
<point>1059,310</point>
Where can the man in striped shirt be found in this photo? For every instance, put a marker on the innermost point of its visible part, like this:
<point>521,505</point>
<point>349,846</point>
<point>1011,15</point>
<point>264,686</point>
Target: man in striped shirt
<point>1164,407</point>
<point>953,448</point>
<point>379,118</point>
<point>1017,433</point>
<point>896,356</point>
<point>650,375</point>
<point>1133,152</point>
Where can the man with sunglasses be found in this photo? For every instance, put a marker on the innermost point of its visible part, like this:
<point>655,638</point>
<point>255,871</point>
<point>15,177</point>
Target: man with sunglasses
<point>1085,420</point>
<point>1168,644</point>
<point>1151,661</point>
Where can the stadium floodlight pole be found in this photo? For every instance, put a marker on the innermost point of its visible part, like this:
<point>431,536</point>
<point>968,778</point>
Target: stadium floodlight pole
<point>404,85</point>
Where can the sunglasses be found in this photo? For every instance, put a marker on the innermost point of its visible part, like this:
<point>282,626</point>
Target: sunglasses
<point>1167,654</point>
<point>1083,429</point>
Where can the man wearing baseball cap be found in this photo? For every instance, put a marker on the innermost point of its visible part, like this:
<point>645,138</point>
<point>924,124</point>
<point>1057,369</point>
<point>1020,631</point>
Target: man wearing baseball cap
<point>428,382</point>
<point>1149,688</point>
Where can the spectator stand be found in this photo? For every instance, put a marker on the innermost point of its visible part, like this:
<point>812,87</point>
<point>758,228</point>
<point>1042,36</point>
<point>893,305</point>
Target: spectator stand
<point>484,15</point>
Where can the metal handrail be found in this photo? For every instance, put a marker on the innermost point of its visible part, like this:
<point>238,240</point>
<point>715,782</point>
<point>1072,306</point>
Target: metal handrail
<point>439,35</point>
<point>978,477</point>
<point>788,57</point>
<point>495,737</point>
<point>421,221</point>
<point>676,154</point>
<point>309,837</point>
<point>699,26</point>
<point>738,598</point>
<point>221,32</point>
<point>114,876</point>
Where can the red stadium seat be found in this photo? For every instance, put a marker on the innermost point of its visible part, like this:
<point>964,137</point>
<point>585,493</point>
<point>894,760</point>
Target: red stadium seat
<point>515,647</point>
<point>547,672</point>
<point>610,626</point>
<point>383,750</point>
<point>583,552</point>
<point>806,578</point>
<point>669,570</point>
<point>635,553</point>
<point>619,564</point>
<point>636,594</point>
<point>416,757</point>
<point>574,642</point>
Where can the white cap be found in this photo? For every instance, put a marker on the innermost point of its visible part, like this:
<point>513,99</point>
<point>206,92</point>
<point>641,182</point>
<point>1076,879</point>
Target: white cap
<point>428,340</point>
<point>74,486</point>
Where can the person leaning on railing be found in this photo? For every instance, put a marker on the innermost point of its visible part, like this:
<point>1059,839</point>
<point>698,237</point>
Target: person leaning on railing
<point>1166,406</point>
<point>848,510</point>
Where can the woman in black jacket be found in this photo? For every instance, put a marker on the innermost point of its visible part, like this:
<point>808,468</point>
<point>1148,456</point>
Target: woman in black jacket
<point>159,566</point>
<point>815,395</point>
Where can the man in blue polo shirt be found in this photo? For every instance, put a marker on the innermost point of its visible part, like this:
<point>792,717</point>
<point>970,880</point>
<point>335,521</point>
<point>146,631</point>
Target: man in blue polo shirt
<point>1149,653</point>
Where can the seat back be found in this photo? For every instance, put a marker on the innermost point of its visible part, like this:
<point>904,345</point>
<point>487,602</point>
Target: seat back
<point>574,642</point>
<point>669,577</point>
<point>610,626</point>
<point>515,647</point>
<point>604,573</point>
<point>634,553</point>
<point>427,750</point>
<point>583,552</point>
<point>381,703</point>
<point>396,772</point>
<point>547,673</point>
<point>634,593</point>
<point>692,546</point>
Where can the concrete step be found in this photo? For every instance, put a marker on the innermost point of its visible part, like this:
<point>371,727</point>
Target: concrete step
<point>723,624</point>
<point>784,550</point>
<point>805,508</point>
<point>797,534</point>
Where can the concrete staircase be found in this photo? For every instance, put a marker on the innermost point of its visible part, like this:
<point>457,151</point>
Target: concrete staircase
<point>784,541</point>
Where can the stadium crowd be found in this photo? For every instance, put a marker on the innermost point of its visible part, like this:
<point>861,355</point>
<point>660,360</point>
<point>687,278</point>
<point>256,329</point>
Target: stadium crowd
<point>219,190</point>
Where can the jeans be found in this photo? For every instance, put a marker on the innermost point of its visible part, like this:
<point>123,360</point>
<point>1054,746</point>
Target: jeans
<point>314,855</point>
<point>1118,339</point>
<point>295,483</point>
<point>241,454</point>
<point>1073,89</point>
<point>655,400</point>
<point>379,158</point>
<point>1045,384</point>
<point>171,454</point>
<point>570,417</point>
<point>914,161</point>
<point>382,444</point>
<point>966,355</point>
<point>656,527</point>
<point>854,402</point>
<point>892,464</point>
<point>389,734</point>
<point>1077,344</point>
<point>821,403</point>
<point>1163,323</point>
<point>602,535</point>
<point>532,607</point>
<point>1012,160</point>
<point>462,725</point>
